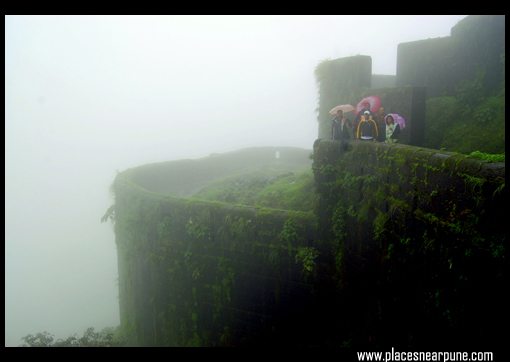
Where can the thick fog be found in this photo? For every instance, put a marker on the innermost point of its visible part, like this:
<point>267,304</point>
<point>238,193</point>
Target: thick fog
<point>86,96</point>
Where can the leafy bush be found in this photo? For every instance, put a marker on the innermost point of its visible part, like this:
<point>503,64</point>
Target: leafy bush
<point>108,337</point>
<point>307,256</point>
<point>488,157</point>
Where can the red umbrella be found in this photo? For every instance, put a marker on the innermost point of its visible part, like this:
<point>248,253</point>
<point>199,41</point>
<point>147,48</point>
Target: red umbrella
<point>374,101</point>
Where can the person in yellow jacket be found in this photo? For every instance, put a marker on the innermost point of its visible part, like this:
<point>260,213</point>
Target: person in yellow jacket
<point>367,128</point>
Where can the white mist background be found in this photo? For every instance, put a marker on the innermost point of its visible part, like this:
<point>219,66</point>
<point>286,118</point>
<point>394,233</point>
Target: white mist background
<point>88,95</point>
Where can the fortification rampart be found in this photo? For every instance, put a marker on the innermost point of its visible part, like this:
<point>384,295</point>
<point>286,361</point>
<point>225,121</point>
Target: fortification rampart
<point>196,273</point>
<point>418,239</point>
<point>476,45</point>
<point>405,247</point>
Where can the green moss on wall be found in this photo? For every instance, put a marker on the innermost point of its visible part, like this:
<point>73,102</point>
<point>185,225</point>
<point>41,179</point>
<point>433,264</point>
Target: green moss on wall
<point>411,229</point>
<point>186,265</point>
<point>468,122</point>
<point>288,191</point>
<point>398,240</point>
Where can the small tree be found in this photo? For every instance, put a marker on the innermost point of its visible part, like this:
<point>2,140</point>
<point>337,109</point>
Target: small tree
<point>105,338</point>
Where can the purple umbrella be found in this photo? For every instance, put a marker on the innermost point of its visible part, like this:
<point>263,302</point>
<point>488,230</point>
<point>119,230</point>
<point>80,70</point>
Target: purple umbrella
<point>374,101</point>
<point>398,120</point>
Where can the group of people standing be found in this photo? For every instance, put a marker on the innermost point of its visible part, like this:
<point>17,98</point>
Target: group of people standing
<point>366,126</point>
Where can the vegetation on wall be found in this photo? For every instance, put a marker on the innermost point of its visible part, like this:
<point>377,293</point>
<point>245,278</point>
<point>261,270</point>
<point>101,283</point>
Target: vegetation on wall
<point>473,120</point>
<point>205,253</point>
<point>488,157</point>
<point>465,79</point>
<point>288,191</point>
<point>418,246</point>
<point>184,178</point>
<point>389,219</point>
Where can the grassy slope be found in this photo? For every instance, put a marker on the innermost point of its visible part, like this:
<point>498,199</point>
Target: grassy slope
<point>471,121</point>
<point>292,190</point>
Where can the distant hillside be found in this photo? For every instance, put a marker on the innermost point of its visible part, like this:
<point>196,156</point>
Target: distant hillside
<point>184,178</point>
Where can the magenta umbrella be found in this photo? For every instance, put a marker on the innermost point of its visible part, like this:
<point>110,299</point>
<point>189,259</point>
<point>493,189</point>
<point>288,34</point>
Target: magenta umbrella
<point>374,101</point>
<point>398,120</point>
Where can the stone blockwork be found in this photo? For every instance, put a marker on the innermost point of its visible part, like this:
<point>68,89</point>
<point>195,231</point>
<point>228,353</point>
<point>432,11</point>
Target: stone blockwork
<point>336,80</point>
<point>419,242</point>
<point>405,248</point>
<point>195,273</point>
<point>476,44</point>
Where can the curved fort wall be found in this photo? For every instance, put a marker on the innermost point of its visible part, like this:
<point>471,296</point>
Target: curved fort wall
<point>196,273</point>
<point>405,247</point>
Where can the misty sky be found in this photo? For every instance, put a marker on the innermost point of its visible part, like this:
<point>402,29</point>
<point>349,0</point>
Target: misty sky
<point>88,95</point>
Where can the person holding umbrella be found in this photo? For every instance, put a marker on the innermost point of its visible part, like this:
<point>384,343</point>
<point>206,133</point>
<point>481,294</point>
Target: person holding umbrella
<point>341,127</point>
<point>367,129</point>
<point>392,129</point>
<point>370,103</point>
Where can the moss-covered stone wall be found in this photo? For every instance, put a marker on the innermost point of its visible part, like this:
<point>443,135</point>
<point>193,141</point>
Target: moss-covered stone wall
<point>419,243</point>
<point>195,273</point>
<point>405,247</point>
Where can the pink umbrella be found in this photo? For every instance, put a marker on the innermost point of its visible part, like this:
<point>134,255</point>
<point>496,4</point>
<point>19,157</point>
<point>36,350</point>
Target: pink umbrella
<point>343,107</point>
<point>398,120</point>
<point>374,101</point>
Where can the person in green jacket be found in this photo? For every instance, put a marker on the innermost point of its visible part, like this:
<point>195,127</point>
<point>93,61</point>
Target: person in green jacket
<point>367,128</point>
